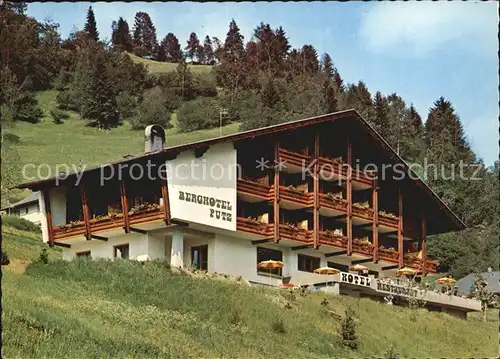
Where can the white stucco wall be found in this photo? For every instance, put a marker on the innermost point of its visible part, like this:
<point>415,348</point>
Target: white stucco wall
<point>58,205</point>
<point>203,190</point>
<point>138,247</point>
<point>43,218</point>
<point>33,214</point>
<point>195,242</point>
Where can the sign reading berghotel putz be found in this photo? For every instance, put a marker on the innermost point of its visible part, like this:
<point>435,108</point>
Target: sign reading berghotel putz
<point>203,189</point>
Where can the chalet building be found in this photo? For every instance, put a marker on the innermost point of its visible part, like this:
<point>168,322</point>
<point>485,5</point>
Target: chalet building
<point>322,191</point>
<point>27,208</point>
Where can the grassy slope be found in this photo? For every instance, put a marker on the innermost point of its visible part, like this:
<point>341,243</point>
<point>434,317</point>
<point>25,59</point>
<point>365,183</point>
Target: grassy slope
<point>159,67</point>
<point>106,309</point>
<point>72,141</point>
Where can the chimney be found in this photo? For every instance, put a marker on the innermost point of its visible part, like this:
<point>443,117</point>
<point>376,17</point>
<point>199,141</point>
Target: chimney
<point>154,138</point>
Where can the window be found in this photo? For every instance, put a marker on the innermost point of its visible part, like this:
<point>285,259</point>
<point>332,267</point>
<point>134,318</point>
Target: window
<point>122,251</point>
<point>308,263</point>
<point>265,254</point>
<point>83,254</point>
<point>199,257</point>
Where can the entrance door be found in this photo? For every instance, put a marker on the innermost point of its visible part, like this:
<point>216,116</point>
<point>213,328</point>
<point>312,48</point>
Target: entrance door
<point>199,257</point>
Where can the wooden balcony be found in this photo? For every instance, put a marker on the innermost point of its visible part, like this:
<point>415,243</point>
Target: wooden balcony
<point>72,229</point>
<point>151,213</point>
<point>362,212</point>
<point>297,197</point>
<point>253,190</point>
<point>293,161</point>
<point>332,203</point>
<point>411,260</point>
<point>388,220</point>
<point>362,248</point>
<point>296,234</point>
<point>254,227</point>
<point>332,169</point>
<point>106,222</point>
<point>388,255</point>
<point>327,238</point>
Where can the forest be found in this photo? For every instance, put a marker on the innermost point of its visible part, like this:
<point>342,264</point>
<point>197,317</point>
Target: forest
<point>255,83</point>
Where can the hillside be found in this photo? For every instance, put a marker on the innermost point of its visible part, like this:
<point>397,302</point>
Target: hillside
<point>118,309</point>
<point>73,142</point>
<point>162,67</point>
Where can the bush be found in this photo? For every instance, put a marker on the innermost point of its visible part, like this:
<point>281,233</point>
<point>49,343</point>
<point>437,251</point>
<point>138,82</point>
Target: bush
<point>391,353</point>
<point>59,115</point>
<point>156,108</point>
<point>5,258</point>
<point>279,326</point>
<point>127,105</point>
<point>20,223</point>
<point>198,114</point>
<point>348,330</point>
<point>205,85</point>
<point>66,100</point>
<point>44,256</point>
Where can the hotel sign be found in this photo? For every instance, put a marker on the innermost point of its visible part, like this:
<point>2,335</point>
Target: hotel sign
<point>355,279</point>
<point>202,189</point>
<point>396,289</point>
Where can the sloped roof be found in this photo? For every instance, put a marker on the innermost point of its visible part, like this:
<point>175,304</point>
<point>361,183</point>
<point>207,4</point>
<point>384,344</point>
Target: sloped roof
<point>491,278</point>
<point>351,114</point>
<point>33,197</point>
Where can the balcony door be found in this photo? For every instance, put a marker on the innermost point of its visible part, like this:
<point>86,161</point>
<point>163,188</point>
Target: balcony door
<point>199,257</point>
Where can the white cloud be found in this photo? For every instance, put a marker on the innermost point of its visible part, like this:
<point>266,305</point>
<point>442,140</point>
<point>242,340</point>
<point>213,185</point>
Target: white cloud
<point>417,28</point>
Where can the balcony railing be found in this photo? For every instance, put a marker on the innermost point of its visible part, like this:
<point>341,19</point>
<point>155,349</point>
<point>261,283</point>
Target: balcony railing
<point>255,227</point>
<point>295,233</point>
<point>388,219</point>
<point>333,203</point>
<point>148,213</point>
<point>362,248</point>
<point>106,222</point>
<point>293,159</point>
<point>329,239</point>
<point>294,195</point>
<point>388,255</point>
<point>362,212</point>
<point>76,228</point>
<point>254,188</point>
<point>412,260</point>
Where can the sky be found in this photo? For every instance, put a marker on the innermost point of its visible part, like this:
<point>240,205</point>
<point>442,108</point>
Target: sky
<point>420,50</point>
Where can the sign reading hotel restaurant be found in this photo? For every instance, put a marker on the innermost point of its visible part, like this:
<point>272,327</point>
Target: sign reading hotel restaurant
<point>203,189</point>
<point>396,289</point>
<point>355,279</point>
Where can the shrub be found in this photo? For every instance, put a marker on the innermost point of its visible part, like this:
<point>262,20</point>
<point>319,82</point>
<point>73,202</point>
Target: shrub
<point>5,258</point>
<point>127,105</point>
<point>156,108</point>
<point>198,114</point>
<point>279,326</point>
<point>205,85</point>
<point>58,115</point>
<point>44,256</point>
<point>391,353</point>
<point>348,330</point>
<point>20,223</point>
<point>236,319</point>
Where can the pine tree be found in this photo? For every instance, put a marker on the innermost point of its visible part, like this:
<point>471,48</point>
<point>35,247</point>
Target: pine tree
<point>120,35</point>
<point>381,112</point>
<point>359,98</point>
<point>99,106</point>
<point>327,67</point>
<point>208,51</point>
<point>91,25</point>
<point>172,48</point>
<point>193,46</point>
<point>442,116</point>
<point>310,62</point>
<point>231,70</point>
<point>270,96</point>
<point>144,40</point>
<point>330,98</point>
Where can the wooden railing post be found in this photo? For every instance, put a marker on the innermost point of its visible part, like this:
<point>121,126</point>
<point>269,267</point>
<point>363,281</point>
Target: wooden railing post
<point>124,201</point>
<point>375,220</point>
<point>166,201</point>
<point>349,197</point>
<point>48,216</point>
<point>400,229</point>
<point>276,203</point>
<point>316,190</point>
<point>424,243</point>
<point>86,212</point>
